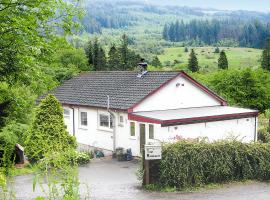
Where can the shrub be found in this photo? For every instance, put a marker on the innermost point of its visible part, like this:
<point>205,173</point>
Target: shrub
<point>187,164</point>
<point>7,146</point>
<point>79,157</point>
<point>48,132</point>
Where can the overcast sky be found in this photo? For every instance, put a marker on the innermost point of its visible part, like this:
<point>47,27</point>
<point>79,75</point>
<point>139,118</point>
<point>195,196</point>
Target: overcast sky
<point>253,5</point>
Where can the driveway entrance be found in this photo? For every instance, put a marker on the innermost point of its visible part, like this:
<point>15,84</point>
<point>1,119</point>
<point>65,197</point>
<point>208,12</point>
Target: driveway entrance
<point>112,180</point>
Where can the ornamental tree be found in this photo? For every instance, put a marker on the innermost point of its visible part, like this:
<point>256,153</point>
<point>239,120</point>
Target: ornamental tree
<point>48,132</point>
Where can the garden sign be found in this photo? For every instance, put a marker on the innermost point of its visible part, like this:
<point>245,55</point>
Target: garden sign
<point>152,152</point>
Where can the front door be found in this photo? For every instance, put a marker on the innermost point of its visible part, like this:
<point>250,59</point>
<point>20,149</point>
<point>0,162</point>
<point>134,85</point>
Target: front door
<point>142,137</point>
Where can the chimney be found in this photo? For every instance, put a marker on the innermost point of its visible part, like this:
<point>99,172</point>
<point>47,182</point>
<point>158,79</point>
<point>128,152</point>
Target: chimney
<point>142,68</point>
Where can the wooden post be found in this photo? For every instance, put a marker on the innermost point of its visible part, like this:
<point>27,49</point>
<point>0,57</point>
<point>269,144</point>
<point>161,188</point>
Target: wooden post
<point>146,172</point>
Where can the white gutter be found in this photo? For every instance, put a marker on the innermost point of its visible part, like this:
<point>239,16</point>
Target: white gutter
<point>114,122</point>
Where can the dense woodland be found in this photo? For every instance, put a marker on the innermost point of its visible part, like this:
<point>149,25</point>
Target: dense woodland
<point>219,32</point>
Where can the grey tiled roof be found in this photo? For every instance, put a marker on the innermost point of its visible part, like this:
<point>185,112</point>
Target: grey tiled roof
<point>123,87</point>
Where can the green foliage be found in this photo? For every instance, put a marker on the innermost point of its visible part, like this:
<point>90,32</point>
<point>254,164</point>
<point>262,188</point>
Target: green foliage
<point>79,158</point>
<point>48,132</point>
<point>223,61</point>
<point>185,164</point>
<point>114,58</point>
<point>265,63</point>
<point>73,58</point>
<point>156,62</point>
<point>8,141</point>
<point>244,88</point>
<point>264,127</point>
<point>193,64</point>
<point>61,176</point>
<point>186,50</point>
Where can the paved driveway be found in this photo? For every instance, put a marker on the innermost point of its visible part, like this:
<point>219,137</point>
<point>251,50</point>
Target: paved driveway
<point>112,180</point>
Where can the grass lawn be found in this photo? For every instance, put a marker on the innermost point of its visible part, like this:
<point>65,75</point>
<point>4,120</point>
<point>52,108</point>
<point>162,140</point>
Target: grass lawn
<point>237,57</point>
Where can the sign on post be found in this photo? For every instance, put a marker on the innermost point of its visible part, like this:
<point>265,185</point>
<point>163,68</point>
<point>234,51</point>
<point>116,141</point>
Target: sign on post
<point>152,152</point>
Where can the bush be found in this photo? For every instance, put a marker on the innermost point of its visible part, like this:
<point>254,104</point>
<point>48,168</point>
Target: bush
<point>187,164</point>
<point>48,132</point>
<point>80,157</point>
<point>7,146</point>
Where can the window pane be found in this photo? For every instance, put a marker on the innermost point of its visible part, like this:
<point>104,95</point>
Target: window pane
<point>84,118</point>
<point>66,112</point>
<point>104,120</point>
<point>121,119</point>
<point>132,128</point>
<point>151,131</point>
<point>111,121</point>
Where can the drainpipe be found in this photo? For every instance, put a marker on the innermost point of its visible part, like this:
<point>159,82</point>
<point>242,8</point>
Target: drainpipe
<point>73,121</point>
<point>114,122</point>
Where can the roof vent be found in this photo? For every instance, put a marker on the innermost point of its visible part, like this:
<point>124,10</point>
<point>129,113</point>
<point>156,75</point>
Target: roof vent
<point>142,68</point>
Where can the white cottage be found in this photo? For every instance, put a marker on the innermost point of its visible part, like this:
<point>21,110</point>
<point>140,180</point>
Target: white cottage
<point>164,106</point>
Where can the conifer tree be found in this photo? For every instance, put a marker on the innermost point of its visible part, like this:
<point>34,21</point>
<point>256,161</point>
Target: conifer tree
<point>48,132</point>
<point>101,60</point>
<point>223,61</point>
<point>156,62</point>
<point>95,53</point>
<point>265,63</point>
<point>193,62</point>
<point>186,50</point>
<point>124,53</point>
<point>113,59</point>
<point>89,53</point>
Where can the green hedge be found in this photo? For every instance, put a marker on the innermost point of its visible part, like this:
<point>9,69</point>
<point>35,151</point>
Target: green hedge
<point>187,164</point>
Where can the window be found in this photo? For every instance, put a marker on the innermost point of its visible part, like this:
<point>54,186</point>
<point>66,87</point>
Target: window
<point>83,118</point>
<point>132,129</point>
<point>151,131</point>
<point>121,120</point>
<point>105,121</point>
<point>66,113</point>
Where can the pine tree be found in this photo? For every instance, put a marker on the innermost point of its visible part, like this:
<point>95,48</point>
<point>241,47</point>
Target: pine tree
<point>89,53</point>
<point>186,50</point>
<point>101,60</point>
<point>48,132</point>
<point>113,59</point>
<point>95,53</point>
<point>223,61</point>
<point>265,63</point>
<point>124,53</point>
<point>193,62</point>
<point>156,62</point>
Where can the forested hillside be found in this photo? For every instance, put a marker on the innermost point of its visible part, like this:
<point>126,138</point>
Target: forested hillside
<point>229,32</point>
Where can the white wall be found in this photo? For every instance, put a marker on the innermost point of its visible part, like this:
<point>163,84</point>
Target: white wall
<point>92,135</point>
<point>241,129</point>
<point>95,136</point>
<point>173,97</point>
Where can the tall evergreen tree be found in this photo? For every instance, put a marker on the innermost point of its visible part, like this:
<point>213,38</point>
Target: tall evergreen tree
<point>113,59</point>
<point>101,64</point>
<point>193,64</point>
<point>266,56</point>
<point>89,53</point>
<point>124,53</point>
<point>156,62</point>
<point>223,61</point>
<point>95,53</point>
